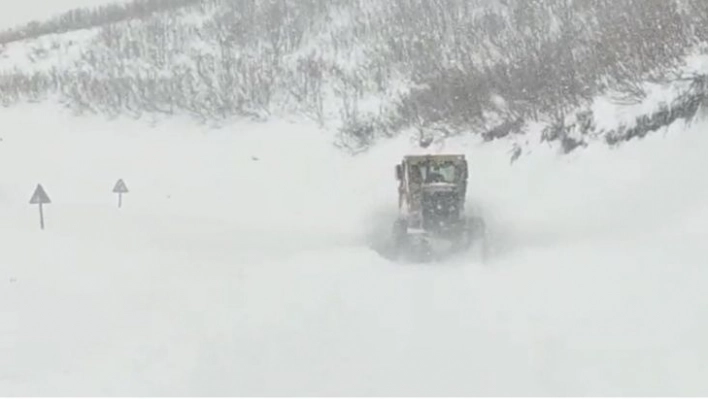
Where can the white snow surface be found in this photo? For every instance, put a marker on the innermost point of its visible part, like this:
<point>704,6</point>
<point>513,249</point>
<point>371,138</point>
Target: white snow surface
<point>13,14</point>
<point>239,264</point>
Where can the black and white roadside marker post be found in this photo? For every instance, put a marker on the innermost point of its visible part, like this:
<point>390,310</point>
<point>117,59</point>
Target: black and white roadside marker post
<point>40,198</point>
<point>120,189</point>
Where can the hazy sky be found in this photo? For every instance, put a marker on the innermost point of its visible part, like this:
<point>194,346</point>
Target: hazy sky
<point>18,12</point>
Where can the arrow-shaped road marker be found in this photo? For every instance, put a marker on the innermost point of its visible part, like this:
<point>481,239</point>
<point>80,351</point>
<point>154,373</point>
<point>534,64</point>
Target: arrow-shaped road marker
<point>40,198</point>
<point>120,189</point>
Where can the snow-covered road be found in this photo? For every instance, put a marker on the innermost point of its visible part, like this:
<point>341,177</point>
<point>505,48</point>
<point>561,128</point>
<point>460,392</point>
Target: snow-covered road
<point>239,265</point>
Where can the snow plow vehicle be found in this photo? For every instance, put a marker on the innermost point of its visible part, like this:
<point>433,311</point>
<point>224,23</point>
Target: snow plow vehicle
<point>432,221</point>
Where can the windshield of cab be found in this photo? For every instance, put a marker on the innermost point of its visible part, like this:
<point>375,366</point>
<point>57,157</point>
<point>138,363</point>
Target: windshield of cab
<point>432,172</point>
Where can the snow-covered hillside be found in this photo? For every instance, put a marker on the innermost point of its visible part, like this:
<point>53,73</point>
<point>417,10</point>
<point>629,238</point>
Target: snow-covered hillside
<point>14,14</point>
<point>240,264</point>
<point>367,69</point>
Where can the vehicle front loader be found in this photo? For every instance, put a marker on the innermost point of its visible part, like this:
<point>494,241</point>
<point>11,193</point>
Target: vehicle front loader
<point>432,221</point>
